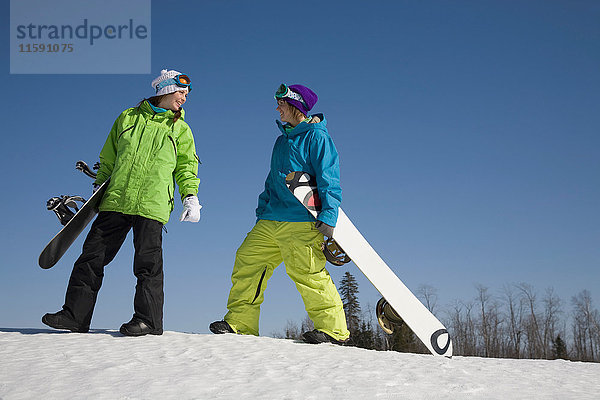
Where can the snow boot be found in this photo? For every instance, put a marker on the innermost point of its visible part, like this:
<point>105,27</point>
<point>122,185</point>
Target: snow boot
<point>219,327</point>
<point>137,327</point>
<point>61,320</point>
<point>316,337</point>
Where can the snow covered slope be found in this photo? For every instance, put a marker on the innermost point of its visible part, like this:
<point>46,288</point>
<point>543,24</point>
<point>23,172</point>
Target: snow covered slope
<point>103,364</point>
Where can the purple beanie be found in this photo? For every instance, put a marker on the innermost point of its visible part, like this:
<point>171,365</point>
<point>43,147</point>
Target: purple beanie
<point>310,98</point>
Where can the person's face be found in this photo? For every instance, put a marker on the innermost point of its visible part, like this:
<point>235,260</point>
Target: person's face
<point>174,101</point>
<point>285,111</point>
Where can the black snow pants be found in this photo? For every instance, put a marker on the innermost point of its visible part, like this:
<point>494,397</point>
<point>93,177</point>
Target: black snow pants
<point>101,245</point>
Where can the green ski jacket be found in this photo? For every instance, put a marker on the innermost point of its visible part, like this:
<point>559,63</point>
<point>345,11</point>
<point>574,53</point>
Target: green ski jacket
<point>144,156</point>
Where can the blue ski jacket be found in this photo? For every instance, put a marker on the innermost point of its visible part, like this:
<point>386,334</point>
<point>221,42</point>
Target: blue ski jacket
<point>308,148</point>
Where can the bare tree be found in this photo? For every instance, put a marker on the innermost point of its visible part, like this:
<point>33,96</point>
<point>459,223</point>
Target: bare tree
<point>586,340</point>
<point>290,331</point>
<point>464,331</point>
<point>496,331</point>
<point>552,310</point>
<point>458,328</point>
<point>307,324</point>
<point>428,295</point>
<point>514,313</point>
<point>517,324</point>
<point>483,298</point>
<point>535,346</point>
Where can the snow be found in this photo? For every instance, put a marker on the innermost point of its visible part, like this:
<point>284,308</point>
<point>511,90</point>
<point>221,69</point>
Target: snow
<point>103,364</point>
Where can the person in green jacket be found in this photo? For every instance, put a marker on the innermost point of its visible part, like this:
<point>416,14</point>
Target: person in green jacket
<point>149,148</point>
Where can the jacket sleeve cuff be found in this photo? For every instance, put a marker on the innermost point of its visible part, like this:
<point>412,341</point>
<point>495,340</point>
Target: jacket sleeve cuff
<point>188,193</point>
<point>328,216</point>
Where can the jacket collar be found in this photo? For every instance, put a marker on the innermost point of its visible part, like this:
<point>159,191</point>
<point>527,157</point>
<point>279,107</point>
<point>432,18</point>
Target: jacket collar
<point>303,126</point>
<point>146,108</point>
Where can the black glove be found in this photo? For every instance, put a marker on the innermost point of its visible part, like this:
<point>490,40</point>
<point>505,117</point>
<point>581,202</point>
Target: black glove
<point>326,230</point>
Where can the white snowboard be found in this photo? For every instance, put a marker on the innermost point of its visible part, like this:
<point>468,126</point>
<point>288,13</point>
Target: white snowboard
<point>420,320</point>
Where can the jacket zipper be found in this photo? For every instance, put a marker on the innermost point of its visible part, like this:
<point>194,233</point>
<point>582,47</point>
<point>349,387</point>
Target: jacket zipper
<point>171,196</point>
<point>128,129</point>
<point>142,135</point>
<point>174,147</point>
<point>137,120</point>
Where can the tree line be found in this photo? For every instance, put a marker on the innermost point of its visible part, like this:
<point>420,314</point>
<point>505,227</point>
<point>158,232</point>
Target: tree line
<point>517,322</point>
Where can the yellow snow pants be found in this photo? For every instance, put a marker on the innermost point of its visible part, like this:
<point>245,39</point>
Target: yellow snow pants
<point>298,245</point>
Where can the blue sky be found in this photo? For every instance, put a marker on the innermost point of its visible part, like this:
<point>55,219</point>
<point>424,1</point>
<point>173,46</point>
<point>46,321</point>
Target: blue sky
<point>467,133</point>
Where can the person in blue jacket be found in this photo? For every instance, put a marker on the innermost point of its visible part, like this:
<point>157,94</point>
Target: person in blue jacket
<point>286,231</point>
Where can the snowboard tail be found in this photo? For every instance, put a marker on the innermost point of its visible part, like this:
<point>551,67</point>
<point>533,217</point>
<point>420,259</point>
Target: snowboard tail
<point>420,320</point>
<point>74,224</point>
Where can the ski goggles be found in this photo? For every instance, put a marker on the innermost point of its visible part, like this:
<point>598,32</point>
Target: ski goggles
<point>284,91</point>
<point>180,80</point>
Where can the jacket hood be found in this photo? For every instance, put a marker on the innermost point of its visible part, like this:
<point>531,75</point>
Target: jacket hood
<point>303,126</point>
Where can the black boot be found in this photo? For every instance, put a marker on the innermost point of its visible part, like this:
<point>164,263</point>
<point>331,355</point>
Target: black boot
<point>61,320</point>
<point>219,327</point>
<point>316,337</point>
<point>137,327</point>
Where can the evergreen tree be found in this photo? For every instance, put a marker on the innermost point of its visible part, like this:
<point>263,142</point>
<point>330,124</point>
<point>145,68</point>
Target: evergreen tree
<point>364,337</point>
<point>559,349</point>
<point>405,341</point>
<point>349,294</point>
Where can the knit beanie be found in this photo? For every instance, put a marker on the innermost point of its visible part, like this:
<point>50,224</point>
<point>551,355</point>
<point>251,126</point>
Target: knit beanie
<point>165,75</point>
<point>310,98</point>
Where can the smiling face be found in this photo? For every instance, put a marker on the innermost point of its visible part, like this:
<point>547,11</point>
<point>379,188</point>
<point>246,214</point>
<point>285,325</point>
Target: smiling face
<point>289,113</point>
<point>284,110</point>
<point>173,101</point>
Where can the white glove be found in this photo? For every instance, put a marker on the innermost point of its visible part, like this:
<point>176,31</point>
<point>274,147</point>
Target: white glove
<point>191,209</point>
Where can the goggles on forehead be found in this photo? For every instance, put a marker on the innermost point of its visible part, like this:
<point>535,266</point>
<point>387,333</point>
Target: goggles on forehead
<point>284,91</point>
<point>180,80</point>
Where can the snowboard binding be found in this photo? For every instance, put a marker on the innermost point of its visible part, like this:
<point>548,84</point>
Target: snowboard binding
<point>83,167</point>
<point>334,253</point>
<point>65,207</point>
<point>387,317</point>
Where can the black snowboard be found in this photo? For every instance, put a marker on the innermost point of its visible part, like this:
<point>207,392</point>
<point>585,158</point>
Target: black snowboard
<point>60,243</point>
